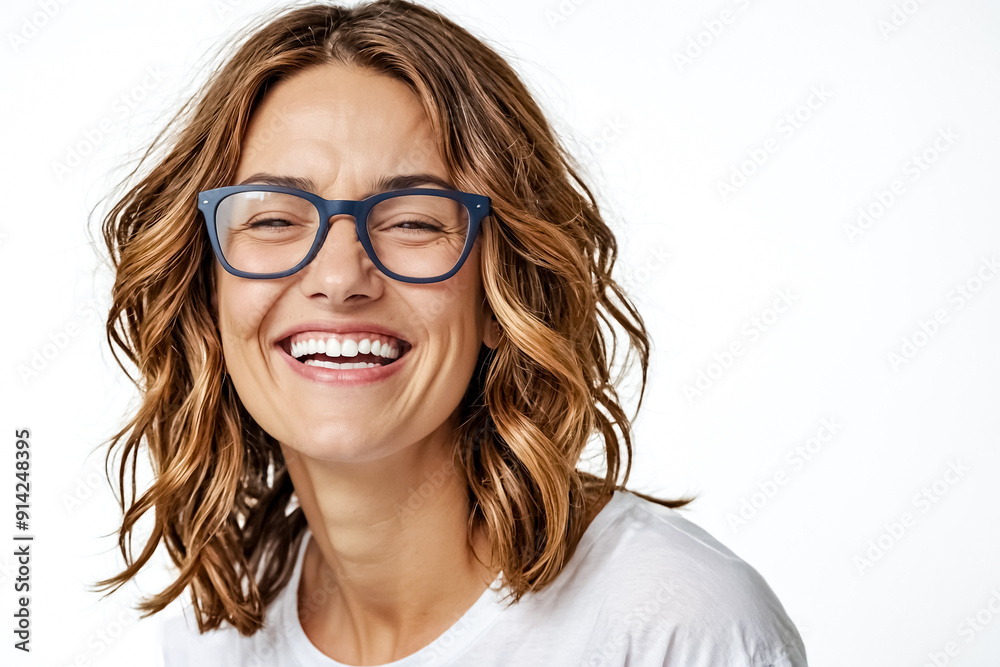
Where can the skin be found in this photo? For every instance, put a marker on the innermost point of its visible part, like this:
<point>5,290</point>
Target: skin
<point>396,563</point>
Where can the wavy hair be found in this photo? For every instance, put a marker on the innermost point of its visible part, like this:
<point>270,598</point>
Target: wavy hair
<point>221,495</point>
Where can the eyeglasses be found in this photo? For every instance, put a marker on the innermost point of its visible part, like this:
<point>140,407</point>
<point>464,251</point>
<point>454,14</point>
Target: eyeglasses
<point>415,235</point>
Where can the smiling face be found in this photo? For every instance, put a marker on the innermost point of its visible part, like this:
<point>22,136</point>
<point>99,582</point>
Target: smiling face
<point>345,133</point>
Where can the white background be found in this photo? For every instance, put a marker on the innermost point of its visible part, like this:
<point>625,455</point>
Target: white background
<point>656,135</point>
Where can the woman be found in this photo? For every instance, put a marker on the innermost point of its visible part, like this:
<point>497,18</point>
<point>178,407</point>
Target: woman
<point>362,287</point>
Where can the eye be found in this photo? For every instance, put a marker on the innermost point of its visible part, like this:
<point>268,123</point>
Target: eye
<point>417,225</point>
<point>265,223</point>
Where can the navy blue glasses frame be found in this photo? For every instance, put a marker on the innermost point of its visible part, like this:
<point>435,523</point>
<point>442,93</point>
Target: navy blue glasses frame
<point>478,207</point>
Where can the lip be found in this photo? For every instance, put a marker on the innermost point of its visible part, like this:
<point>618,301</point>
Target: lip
<point>342,377</point>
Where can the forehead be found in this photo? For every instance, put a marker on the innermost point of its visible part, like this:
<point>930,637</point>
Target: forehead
<point>340,127</point>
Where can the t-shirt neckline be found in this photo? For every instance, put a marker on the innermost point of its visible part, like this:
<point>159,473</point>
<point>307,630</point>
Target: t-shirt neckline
<point>450,644</point>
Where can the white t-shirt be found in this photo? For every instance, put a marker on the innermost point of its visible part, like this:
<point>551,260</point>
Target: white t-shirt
<point>644,588</point>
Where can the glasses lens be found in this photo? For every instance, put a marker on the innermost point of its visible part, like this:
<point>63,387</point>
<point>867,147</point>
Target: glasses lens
<point>265,232</point>
<point>418,236</point>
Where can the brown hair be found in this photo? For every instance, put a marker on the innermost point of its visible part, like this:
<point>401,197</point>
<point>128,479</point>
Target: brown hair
<point>222,497</point>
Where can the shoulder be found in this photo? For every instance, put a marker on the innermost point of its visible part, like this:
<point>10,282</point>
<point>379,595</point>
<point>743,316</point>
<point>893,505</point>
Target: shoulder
<point>182,644</point>
<point>672,589</point>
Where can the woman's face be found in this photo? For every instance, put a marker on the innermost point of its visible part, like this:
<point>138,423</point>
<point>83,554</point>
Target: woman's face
<point>343,131</point>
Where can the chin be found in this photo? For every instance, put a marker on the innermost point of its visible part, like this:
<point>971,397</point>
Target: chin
<point>343,443</point>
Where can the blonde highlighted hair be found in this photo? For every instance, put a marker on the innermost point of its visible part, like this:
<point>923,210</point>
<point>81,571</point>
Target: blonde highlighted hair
<point>222,498</point>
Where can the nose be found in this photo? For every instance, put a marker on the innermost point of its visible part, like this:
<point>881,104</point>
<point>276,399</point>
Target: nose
<point>341,267</point>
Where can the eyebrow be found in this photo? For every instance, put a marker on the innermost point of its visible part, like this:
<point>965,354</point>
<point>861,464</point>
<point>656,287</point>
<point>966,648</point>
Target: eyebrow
<point>383,184</point>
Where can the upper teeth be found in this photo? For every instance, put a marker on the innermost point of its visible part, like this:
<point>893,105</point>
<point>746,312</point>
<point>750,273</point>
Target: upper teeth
<point>346,348</point>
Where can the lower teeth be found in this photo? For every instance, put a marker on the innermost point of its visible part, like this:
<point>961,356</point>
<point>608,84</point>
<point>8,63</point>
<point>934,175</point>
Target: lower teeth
<point>334,364</point>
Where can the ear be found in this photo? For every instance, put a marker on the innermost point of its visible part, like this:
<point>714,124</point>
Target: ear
<point>493,332</point>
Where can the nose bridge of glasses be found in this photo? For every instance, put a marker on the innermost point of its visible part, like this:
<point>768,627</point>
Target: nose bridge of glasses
<point>340,215</point>
<point>338,210</point>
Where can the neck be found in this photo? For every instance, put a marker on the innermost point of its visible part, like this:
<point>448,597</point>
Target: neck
<point>389,543</point>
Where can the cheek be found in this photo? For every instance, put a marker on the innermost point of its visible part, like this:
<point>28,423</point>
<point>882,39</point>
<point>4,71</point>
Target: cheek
<point>243,306</point>
<point>458,299</point>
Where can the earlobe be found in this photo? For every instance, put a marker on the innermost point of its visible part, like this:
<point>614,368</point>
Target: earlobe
<point>493,333</point>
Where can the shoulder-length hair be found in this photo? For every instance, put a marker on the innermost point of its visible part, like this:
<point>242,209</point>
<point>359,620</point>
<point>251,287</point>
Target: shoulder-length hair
<point>222,498</point>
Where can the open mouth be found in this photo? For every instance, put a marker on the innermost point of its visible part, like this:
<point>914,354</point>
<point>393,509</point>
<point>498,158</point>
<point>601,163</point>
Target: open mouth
<point>340,352</point>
